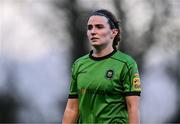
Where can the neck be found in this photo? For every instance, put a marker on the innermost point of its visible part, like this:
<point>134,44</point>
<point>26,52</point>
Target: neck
<point>100,52</point>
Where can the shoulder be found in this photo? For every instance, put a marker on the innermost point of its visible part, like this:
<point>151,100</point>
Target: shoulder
<point>81,60</point>
<point>123,57</point>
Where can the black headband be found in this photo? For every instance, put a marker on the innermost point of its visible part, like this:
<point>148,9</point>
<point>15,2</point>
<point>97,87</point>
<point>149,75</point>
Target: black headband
<point>110,21</point>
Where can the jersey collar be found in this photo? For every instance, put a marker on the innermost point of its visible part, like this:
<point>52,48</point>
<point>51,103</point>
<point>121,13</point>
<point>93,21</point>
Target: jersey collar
<point>103,57</point>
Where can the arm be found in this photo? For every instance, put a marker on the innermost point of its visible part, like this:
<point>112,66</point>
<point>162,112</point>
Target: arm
<point>133,109</point>
<point>71,111</point>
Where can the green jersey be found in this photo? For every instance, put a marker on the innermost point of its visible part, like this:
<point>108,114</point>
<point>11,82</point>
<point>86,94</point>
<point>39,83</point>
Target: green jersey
<point>101,85</point>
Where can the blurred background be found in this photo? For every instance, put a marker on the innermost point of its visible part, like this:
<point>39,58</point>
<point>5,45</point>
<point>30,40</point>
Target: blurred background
<point>40,39</point>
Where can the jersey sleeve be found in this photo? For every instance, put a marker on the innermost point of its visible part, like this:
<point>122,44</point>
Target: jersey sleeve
<point>132,83</point>
<point>73,86</point>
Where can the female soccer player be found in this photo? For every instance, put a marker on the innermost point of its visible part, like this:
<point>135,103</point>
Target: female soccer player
<point>105,84</point>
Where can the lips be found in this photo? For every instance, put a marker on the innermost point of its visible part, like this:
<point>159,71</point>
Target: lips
<point>94,38</point>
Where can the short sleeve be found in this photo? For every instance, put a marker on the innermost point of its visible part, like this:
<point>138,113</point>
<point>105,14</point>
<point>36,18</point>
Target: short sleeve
<point>132,83</point>
<point>73,86</point>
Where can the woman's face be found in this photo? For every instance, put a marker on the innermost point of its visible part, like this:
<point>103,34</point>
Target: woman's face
<point>99,32</point>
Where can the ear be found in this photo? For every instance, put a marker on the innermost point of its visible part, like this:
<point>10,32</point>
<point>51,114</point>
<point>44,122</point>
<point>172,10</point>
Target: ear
<point>114,32</point>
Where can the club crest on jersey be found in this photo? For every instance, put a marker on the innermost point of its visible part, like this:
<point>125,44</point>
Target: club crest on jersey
<point>109,74</point>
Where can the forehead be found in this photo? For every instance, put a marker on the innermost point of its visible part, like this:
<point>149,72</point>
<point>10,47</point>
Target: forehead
<point>97,20</point>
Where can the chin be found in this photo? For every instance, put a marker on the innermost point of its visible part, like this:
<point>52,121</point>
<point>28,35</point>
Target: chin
<point>96,43</point>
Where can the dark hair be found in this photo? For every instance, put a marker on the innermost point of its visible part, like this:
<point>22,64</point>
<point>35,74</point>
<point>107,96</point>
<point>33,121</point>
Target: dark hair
<point>113,22</point>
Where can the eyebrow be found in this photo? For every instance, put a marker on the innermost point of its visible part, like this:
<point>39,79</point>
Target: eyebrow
<point>95,25</point>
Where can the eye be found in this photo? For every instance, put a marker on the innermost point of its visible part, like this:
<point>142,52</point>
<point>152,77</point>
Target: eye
<point>100,26</point>
<point>89,27</point>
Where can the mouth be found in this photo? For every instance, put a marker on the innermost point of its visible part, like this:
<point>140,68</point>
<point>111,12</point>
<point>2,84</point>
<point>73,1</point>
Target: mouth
<point>94,38</point>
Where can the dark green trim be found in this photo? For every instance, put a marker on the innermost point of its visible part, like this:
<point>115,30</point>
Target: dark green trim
<point>135,93</point>
<point>73,96</point>
<point>103,57</point>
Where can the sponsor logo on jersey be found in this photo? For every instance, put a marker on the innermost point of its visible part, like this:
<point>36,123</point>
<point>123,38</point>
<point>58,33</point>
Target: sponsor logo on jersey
<point>109,74</point>
<point>136,83</point>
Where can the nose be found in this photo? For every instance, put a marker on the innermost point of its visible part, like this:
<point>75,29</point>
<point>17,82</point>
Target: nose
<point>93,31</point>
